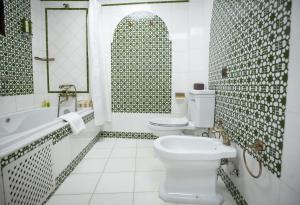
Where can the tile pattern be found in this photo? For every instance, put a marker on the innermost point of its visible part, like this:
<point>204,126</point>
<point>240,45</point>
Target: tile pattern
<point>232,188</point>
<point>133,135</point>
<point>251,39</point>
<point>18,177</point>
<point>55,136</point>
<point>141,65</point>
<point>15,51</point>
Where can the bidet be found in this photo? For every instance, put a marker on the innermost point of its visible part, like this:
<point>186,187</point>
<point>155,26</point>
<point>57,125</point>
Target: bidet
<point>191,168</point>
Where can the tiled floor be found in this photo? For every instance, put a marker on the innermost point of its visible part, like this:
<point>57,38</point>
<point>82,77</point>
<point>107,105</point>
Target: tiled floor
<point>117,172</point>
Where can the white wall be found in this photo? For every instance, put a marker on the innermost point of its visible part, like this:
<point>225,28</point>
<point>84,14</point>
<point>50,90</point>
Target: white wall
<point>24,102</point>
<point>188,25</point>
<point>268,189</point>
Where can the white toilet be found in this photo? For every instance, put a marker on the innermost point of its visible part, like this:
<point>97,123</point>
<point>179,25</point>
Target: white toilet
<point>201,111</point>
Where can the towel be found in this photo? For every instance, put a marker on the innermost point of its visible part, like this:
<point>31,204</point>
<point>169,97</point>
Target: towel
<point>75,121</point>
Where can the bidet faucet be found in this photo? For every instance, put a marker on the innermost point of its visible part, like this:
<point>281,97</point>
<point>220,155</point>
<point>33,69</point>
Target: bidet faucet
<point>222,132</point>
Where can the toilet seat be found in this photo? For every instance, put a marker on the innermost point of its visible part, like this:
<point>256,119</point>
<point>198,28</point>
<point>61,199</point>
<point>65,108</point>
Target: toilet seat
<point>169,122</point>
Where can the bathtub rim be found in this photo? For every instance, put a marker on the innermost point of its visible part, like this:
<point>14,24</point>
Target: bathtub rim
<point>50,127</point>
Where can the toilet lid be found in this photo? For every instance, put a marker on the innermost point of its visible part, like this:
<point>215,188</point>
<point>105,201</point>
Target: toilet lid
<point>169,122</point>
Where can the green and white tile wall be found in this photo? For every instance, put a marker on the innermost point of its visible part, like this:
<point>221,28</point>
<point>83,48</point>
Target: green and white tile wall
<point>141,65</point>
<point>254,44</point>
<point>15,51</point>
<point>39,69</point>
<point>251,39</point>
<point>19,101</point>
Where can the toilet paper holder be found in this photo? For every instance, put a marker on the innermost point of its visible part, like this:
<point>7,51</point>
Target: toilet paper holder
<point>179,96</point>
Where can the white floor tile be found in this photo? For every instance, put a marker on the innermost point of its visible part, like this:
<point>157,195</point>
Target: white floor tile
<point>79,184</point>
<point>149,164</point>
<point>123,152</point>
<point>126,143</point>
<point>98,153</point>
<point>120,165</point>
<point>147,181</point>
<point>116,182</point>
<point>105,143</point>
<point>112,199</point>
<point>91,165</point>
<point>119,181</point>
<point>80,199</point>
<point>144,143</point>
<point>145,152</point>
<point>149,198</point>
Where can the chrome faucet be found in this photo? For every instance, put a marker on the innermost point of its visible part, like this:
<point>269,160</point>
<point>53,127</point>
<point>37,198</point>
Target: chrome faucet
<point>65,94</point>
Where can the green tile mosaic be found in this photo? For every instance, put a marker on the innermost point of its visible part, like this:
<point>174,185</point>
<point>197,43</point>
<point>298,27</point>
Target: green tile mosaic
<point>141,65</point>
<point>251,39</point>
<point>15,51</point>
<point>133,135</point>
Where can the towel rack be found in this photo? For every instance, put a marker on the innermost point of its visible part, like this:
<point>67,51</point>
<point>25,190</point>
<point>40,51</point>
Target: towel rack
<point>258,146</point>
<point>44,59</point>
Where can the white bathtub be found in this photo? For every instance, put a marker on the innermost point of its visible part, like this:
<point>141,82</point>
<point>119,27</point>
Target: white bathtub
<point>21,128</point>
<point>37,138</point>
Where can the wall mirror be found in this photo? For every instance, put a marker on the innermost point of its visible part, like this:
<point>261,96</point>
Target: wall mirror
<point>66,43</point>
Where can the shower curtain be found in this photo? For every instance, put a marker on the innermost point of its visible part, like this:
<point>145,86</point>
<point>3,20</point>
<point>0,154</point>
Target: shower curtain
<point>99,75</point>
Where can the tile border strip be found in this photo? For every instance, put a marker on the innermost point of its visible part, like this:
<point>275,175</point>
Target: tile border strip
<point>239,199</point>
<point>130,135</point>
<point>68,170</point>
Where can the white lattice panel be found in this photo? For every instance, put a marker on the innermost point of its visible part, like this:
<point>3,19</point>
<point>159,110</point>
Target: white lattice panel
<point>29,179</point>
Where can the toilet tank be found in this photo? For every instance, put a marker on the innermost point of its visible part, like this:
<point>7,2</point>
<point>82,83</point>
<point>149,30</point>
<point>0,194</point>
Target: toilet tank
<point>202,108</point>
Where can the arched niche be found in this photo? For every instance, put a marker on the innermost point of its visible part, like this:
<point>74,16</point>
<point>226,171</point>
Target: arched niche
<point>141,65</point>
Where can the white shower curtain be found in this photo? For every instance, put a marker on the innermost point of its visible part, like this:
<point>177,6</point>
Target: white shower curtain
<point>99,75</point>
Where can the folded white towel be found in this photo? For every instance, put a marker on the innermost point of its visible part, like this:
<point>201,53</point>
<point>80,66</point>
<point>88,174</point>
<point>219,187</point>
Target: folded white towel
<point>75,121</point>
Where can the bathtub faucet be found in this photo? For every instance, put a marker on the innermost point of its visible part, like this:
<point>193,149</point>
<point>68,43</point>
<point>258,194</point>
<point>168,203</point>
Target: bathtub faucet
<point>65,93</point>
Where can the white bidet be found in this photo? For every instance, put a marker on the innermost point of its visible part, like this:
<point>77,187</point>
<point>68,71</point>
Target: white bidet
<point>191,168</point>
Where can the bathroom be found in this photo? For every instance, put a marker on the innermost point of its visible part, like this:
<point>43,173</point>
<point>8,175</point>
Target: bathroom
<point>157,102</point>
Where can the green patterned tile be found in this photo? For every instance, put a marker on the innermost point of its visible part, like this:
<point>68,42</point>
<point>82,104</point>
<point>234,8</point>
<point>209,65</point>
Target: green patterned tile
<point>251,39</point>
<point>141,65</point>
<point>15,51</point>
